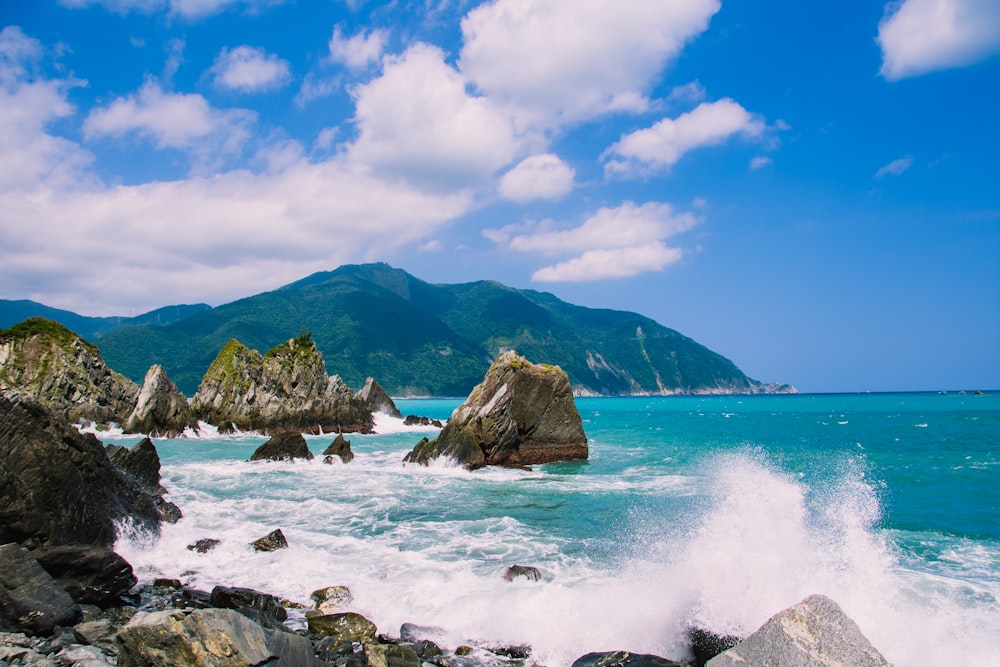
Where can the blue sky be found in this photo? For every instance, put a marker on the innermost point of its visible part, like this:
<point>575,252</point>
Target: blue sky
<point>810,189</point>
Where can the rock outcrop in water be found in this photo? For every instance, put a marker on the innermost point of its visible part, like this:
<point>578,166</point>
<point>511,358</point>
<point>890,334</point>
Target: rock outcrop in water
<point>43,360</point>
<point>286,389</point>
<point>373,396</point>
<point>283,447</point>
<point>521,414</point>
<point>161,409</point>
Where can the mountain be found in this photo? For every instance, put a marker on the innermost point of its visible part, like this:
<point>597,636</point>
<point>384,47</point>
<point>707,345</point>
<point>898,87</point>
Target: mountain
<point>416,338</point>
<point>90,328</point>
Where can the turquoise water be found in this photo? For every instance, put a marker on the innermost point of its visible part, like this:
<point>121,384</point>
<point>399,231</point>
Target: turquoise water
<point>709,511</point>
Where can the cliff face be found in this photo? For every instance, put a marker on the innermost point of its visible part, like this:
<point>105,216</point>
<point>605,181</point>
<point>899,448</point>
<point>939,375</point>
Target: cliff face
<point>520,414</point>
<point>44,361</point>
<point>160,409</point>
<point>286,389</point>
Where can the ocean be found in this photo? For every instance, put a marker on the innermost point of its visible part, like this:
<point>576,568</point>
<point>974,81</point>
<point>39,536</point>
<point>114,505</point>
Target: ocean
<point>712,512</point>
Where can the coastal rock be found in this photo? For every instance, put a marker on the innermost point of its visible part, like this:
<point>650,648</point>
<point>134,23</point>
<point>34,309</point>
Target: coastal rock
<point>391,655</point>
<point>91,575</point>
<point>239,599</point>
<point>286,389</point>
<point>283,447</point>
<point>331,599</point>
<point>30,599</point>
<point>814,633</point>
<point>414,420</point>
<point>348,627</point>
<point>339,447</point>
<point>521,414</point>
<point>161,409</point>
<point>374,397</point>
<point>208,637</point>
<point>204,545</point>
<point>706,644</point>
<point>57,485</point>
<point>528,572</point>
<point>44,361</point>
<point>625,659</point>
<point>141,463</point>
<point>271,542</point>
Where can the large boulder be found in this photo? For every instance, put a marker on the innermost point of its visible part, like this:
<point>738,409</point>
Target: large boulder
<point>283,447</point>
<point>160,409</point>
<point>30,599</point>
<point>374,397</point>
<point>521,414</point>
<point>814,633</point>
<point>208,638</point>
<point>91,575</point>
<point>286,389</point>
<point>43,360</point>
<point>57,485</point>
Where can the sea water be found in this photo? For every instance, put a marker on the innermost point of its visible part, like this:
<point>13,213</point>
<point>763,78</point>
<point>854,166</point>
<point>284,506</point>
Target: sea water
<point>711,512</point>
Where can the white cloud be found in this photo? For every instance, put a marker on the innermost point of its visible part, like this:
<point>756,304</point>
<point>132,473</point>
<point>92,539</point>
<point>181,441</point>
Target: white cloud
<point>433,245</point>
<point>315,86</point>
<point>538,177</point>
<point>182,121</point>
<point>760,162</point>
<point>689,93</point>
<point>190,9</point>
<point>249,69</point>
<point>564,61</point>
<point>920,36</point>
<point>663,144</point>
<point>359,51</point>
<point>895,168</point>
<point>612,243</point>
<point>417,121</point>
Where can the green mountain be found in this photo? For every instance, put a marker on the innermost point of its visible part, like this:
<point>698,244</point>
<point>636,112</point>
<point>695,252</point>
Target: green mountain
<point>89,328</point>
<point>416,338</point>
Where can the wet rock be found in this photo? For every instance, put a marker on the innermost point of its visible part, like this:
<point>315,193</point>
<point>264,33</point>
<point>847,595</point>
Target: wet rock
<point>624,659</point>
<point>346,626</point>
<point>141,463</point>
<point>271,542</point>
<point>414,420</point>
<point>706,644</point>
<point>331,599</point>
<point>339,447</point>
<point>204,545</point>
<point>91,575</point>
<point>410,632</point>
<point>391,655</point>
<point>814,633</point>
<point>374,397</point>
<point>521,414</point>
<point>30,599</point>
<point>161,409</point>
<point>283,447</point>
<point>524,571</point>
<point>240,598</point>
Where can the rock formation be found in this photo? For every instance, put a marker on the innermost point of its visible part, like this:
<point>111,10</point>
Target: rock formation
<point>160,410</point>
<point>47,362</point>
<point>373,396</point>
<point>58,486</point>
<point>30,599</point>
<point>271,542</point>
<point>91,575</point>
<point>286,389</point>
<point>283,447</point>
<point>521,414</point>
<point>813,633</point>
<point>339,447</point>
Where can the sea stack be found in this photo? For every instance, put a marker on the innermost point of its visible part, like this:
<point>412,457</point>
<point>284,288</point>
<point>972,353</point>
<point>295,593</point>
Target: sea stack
<point>521,414</point>
<point>160,410</point>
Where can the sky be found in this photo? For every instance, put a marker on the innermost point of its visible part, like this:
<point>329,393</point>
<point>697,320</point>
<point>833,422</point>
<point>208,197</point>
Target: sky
<point>810,189</point>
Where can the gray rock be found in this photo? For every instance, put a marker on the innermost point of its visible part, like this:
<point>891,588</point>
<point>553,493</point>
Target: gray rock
<point>160,409</point>
<point>374,397</point>
<point>814,633</point>
<point>85,656</point>
<point>141,463</point>
<point>91,575</point>
<point>521,414</point>
<point>238,598</point>
<point>30,600</point>
<point>347,626</point>
<point>391,655</point>
<point>283,447</point>
<point>339,447</point>
<point>208,637</point>
<point>100,633</point>
<point>331,599</point>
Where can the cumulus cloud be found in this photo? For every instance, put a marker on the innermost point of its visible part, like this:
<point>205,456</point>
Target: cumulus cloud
<point>612,243</point>
<point>895,168</point>
<point>538,177</point>
<point>663,144</point>
<point>441,135</point>
<point>920,36</point>
<point>249,69</point>
<point>564,61</point>
<point>359,51</point>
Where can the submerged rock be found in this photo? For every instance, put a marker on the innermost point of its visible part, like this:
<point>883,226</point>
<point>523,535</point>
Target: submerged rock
<point>204,545</point>
<point>521,414</point>
<point>528,572</point>
<point>161,409</point>
<point>271,542</point>
<point>374,397</point>
<point>339,447</point>
<point>283,447</point>
<point>814,633</point>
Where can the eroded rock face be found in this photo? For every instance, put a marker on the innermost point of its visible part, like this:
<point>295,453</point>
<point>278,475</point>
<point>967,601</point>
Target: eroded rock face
<point>285,390</point>
<point>161,409</point>
<point>374,397</point>
<point>521,414</point>
<point>44,361</point>
<point>814,633</point>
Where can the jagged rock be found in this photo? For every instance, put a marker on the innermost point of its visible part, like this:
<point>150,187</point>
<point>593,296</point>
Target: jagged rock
<point>348,627</point>
<point>271,542</point>
<point>43,360</point>
<point>339,447</point>
<point>524,571</point>
<point>286,389</point>
<point>328,600</point>
<point>374,397</point>
<point>216,637</point>
<point>241,598</point>
<point>521,414</point>
<point>706,644</point>
<point>814,633</point>
<point>283,447</point>
<point>625,659</point>
<point>30,599</point>
<point>414,420</point>
<point>204,545</point>
<point>91,575</point>
<point>142,463</point>
<point>160,409</point>
<point>57,485</point>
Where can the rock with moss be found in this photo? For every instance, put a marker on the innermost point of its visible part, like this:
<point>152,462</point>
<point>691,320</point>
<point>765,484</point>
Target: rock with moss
<point>161,410</point>
<point>521,414</point>
<point>43,360</point>
<point>286,389</point>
